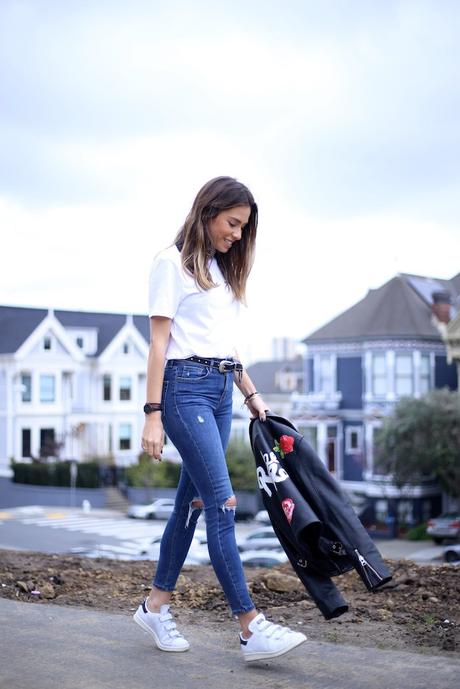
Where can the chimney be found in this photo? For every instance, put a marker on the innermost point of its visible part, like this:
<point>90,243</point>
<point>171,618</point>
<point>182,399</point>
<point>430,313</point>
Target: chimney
<point>441,306</point>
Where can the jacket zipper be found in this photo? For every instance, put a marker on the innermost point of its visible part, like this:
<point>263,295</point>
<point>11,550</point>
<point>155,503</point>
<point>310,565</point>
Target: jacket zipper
<point>366,566</point>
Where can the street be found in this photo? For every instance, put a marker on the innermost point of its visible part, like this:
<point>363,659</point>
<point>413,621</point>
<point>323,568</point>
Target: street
<point>59,530</point>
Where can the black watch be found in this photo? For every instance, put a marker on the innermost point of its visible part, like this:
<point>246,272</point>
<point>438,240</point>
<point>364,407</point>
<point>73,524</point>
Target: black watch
<point>150,407</point>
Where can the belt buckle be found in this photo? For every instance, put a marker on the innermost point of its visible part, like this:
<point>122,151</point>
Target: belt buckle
<point>225,365</point>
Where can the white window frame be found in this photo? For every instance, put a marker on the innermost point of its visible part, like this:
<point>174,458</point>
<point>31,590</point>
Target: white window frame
<point>381,376</point>
<point>428,377</point>
<point>404,377</point>
<point>123,437</point>
<point>120,379</point>
<point>53,378</point>
<point>23,387</point>
<point>349,430</point>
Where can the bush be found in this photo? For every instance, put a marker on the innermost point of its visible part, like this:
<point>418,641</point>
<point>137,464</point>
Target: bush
<point>56,474</point>
<point>241,466</point>
<point>418,533</point>
<point>148,474</point>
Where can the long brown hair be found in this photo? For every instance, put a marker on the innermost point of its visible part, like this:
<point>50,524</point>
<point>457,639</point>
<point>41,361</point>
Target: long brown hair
<point>219,194</point>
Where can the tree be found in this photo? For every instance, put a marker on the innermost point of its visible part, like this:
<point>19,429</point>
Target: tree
<point>421,439</point>
<point>241,466</point>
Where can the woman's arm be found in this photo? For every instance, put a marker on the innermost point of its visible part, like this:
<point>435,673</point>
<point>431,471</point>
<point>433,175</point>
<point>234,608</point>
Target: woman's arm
<point>153,434</point>
<point>256,404</point>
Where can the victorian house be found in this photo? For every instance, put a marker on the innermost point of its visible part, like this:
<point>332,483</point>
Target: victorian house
<point>389,345</point>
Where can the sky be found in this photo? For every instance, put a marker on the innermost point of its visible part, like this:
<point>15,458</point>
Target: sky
<point>342,117</point>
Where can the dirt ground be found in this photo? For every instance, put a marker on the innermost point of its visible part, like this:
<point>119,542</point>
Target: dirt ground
<point>419,610</point>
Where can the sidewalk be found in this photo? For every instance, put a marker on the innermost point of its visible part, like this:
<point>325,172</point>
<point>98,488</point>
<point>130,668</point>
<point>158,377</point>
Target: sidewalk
<point>53,647</point>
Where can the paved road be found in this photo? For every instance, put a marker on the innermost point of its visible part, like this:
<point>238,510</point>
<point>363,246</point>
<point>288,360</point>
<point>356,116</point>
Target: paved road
<point>52,647</point>
<point>57,530</point>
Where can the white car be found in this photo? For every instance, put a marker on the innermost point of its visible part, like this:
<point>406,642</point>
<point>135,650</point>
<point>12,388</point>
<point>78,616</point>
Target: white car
<point>452,553</point>
<point>262,517</point>
<point>150,548</point>
<point>158,509</point>
<point>263,558</point>
<point>447,525</point>
<point>259,538</point>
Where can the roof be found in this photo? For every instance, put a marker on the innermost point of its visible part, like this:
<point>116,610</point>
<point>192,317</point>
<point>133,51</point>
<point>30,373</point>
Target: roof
<point>263,373</point>
<point>18,323</point>
<point>401,308</point>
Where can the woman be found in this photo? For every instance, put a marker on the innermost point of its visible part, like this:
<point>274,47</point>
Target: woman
<point>196,288</point>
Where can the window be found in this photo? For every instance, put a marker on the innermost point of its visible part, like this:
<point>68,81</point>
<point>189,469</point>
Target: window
<point>379,374</point>
<point>48,445</point>
<point>353,440</point>
<point>377,468</point>
<point>425,374</point>
<point>326,384</point>
<point>125,436</point>
<point>47,342</point>
<point>107,388</point>
<point>331,448</point>
<point>26,391</point>
<point>310,433</point>
<point>80,342</point>
<point>26,437</point>
<point>404,375</point>
<point>125,387</point>
<point>47,388</point>
<point>126,348</point>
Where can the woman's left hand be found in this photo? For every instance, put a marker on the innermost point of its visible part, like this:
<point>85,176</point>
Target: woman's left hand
<point>257,407</point>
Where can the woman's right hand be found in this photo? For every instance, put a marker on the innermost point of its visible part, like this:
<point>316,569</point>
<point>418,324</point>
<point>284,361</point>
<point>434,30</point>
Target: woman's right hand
<point>153,435</point>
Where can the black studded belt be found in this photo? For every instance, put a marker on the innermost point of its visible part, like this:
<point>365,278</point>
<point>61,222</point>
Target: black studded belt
<point>222,365</point>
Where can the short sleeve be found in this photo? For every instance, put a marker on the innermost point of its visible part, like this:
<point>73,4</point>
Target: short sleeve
<point>165,288</point>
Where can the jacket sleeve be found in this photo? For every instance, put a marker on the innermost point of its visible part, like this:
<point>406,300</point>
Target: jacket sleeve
<point>322,590</point>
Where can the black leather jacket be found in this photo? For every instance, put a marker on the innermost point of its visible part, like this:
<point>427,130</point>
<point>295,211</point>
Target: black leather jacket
<point>312,517</point>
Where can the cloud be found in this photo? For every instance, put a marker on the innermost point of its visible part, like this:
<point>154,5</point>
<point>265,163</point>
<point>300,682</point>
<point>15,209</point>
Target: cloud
<point>342,118</point>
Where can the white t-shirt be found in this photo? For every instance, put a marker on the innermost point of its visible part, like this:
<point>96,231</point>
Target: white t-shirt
<point>203,321</point>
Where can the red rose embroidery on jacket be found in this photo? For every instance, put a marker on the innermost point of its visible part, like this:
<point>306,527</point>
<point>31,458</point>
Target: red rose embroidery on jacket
<point>286,443</point>
<point>288,507</point>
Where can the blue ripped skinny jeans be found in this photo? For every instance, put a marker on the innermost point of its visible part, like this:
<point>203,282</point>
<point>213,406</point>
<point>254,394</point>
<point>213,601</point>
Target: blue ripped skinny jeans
<point>197,415</point>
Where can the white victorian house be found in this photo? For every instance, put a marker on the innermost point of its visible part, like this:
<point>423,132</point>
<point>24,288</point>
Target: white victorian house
<point>77,380</point>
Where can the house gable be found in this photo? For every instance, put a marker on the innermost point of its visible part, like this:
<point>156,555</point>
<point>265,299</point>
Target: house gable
<point>127,344</point>
<point>60,343</point>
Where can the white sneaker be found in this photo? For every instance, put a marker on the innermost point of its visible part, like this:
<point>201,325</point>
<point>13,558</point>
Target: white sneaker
<point>268,640</point>
<point>160,625</point>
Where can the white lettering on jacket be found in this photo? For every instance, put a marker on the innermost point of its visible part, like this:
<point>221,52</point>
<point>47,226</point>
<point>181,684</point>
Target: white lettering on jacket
<point>274,474</point>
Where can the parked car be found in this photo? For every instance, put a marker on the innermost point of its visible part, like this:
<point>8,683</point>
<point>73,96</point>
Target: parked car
<point>151,545</point>
<point>452,553</point>
<point>264,537</point>
<point>111,552</point>
<point>447,525</point>
<point>262,517</point>
<point>158,509</point>
<point>263,558</point>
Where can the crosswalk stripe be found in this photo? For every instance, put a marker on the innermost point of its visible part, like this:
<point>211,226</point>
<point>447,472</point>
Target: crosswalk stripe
<point>116,528</point>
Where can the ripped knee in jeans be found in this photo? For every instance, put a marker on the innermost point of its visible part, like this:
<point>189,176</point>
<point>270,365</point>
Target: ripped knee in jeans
<point>229,505</point>
<point>195,504</point>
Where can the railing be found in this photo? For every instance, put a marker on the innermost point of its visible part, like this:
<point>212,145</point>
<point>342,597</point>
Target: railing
<point>316,400</point>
